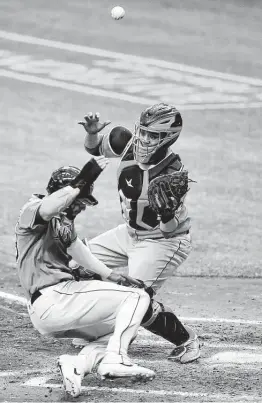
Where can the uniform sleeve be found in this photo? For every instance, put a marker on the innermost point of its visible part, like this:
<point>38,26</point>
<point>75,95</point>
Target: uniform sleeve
<point>81,253</point>
<point>111,144</point>
<point>28,214</point>
<point>57,202</point>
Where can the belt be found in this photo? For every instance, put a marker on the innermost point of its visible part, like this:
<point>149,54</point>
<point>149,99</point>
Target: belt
<point>36,295</point>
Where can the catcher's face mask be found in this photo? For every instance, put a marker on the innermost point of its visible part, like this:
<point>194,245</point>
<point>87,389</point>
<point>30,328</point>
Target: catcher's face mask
<point>159,126</point>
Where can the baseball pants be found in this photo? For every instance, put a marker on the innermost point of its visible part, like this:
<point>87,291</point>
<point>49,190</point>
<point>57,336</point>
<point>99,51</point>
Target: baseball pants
<point>150,260</point>
<point>104,313</point>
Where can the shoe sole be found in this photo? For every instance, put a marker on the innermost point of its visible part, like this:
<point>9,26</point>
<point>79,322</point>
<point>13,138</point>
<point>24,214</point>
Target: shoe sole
<point>185,362</point>
<point>70,393</point>
<point>193,359</point>
<point>134,378</point>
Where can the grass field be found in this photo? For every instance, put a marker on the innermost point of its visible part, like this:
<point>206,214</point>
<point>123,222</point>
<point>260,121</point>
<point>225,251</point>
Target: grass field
<point>221,148</point>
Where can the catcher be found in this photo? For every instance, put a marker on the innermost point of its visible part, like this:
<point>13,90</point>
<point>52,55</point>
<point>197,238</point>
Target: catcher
<point>107,313</point>
<point>155,238</point>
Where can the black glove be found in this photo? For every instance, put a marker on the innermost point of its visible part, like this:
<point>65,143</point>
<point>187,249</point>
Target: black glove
<point>85,180</point>
<point>165,193</point>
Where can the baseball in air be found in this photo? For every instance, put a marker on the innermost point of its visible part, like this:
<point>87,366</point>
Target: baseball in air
<point>117,13</point>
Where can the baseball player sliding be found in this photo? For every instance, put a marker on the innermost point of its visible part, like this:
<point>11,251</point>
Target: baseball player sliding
<point>107,313</point>
<point>155,238</point>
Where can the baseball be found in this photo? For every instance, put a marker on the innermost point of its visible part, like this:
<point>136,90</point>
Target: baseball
<point>117,12</point>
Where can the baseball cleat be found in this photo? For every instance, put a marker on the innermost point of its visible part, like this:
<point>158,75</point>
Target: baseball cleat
<point>71,375</point>
<point>114,366</point>
<point>188,351</point>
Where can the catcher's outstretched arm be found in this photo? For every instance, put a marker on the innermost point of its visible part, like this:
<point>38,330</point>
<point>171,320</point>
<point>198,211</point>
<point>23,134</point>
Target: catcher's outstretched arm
<point>92,143</point>
<point>111,145</point>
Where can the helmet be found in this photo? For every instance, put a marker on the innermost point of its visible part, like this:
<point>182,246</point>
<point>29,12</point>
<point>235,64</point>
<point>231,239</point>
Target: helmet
<point>159,127</point>
<point>62,177</point>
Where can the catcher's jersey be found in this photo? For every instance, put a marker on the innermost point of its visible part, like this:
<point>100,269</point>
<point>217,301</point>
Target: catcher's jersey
<point>41,256</point>
<point>133,181</point>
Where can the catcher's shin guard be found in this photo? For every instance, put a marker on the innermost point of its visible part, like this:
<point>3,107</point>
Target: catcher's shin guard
<point>161,321</point>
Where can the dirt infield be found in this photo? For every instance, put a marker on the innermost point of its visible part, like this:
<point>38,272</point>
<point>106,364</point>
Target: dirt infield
<point>229,368</point>
<point>193,62</point>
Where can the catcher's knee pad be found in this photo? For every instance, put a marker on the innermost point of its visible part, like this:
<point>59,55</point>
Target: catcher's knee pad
<point>160,320</point>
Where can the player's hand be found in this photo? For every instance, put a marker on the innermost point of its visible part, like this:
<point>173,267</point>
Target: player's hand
<point>92,124</point>
<point>126,281</point>
<point>114,277</point>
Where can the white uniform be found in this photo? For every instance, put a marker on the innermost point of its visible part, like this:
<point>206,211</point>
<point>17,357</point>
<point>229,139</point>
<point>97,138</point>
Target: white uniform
<point>98,311</point>
<point>151,260</point>
<point>140,243</point>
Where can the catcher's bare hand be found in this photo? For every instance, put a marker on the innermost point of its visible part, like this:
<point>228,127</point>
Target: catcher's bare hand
<point>92,124</point>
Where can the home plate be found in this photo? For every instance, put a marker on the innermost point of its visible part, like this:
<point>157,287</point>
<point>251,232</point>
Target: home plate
<point>235,357</point>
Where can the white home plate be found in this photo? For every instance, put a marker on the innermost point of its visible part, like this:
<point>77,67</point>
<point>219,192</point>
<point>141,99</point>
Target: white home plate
<point>235,357</point>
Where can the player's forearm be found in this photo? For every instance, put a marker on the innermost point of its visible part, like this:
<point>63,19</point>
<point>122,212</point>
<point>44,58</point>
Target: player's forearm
<point>111,144</point>
<point>57,202</point>
<point>92,143</point>
<point>83,256</point>
<point>100,144</point>
<point>168,228</point>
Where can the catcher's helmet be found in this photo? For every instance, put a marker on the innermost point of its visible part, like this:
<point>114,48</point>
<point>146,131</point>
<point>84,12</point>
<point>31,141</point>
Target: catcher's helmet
<point>61,177</point>
<point>159,127</point>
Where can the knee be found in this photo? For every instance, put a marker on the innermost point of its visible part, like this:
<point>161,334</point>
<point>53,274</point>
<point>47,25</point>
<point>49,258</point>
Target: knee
<point>140,294</point>
<point>144,299</point>
<point>145,296</point>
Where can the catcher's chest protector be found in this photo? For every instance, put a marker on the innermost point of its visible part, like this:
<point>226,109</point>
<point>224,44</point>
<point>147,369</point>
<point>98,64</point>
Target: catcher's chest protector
<point>133,187</point>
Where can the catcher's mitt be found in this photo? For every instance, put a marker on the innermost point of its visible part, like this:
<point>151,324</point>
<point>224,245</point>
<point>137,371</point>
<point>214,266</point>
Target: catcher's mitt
<point>165,192</point>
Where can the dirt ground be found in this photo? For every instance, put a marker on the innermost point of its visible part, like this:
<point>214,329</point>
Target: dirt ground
<point>229,368</point>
